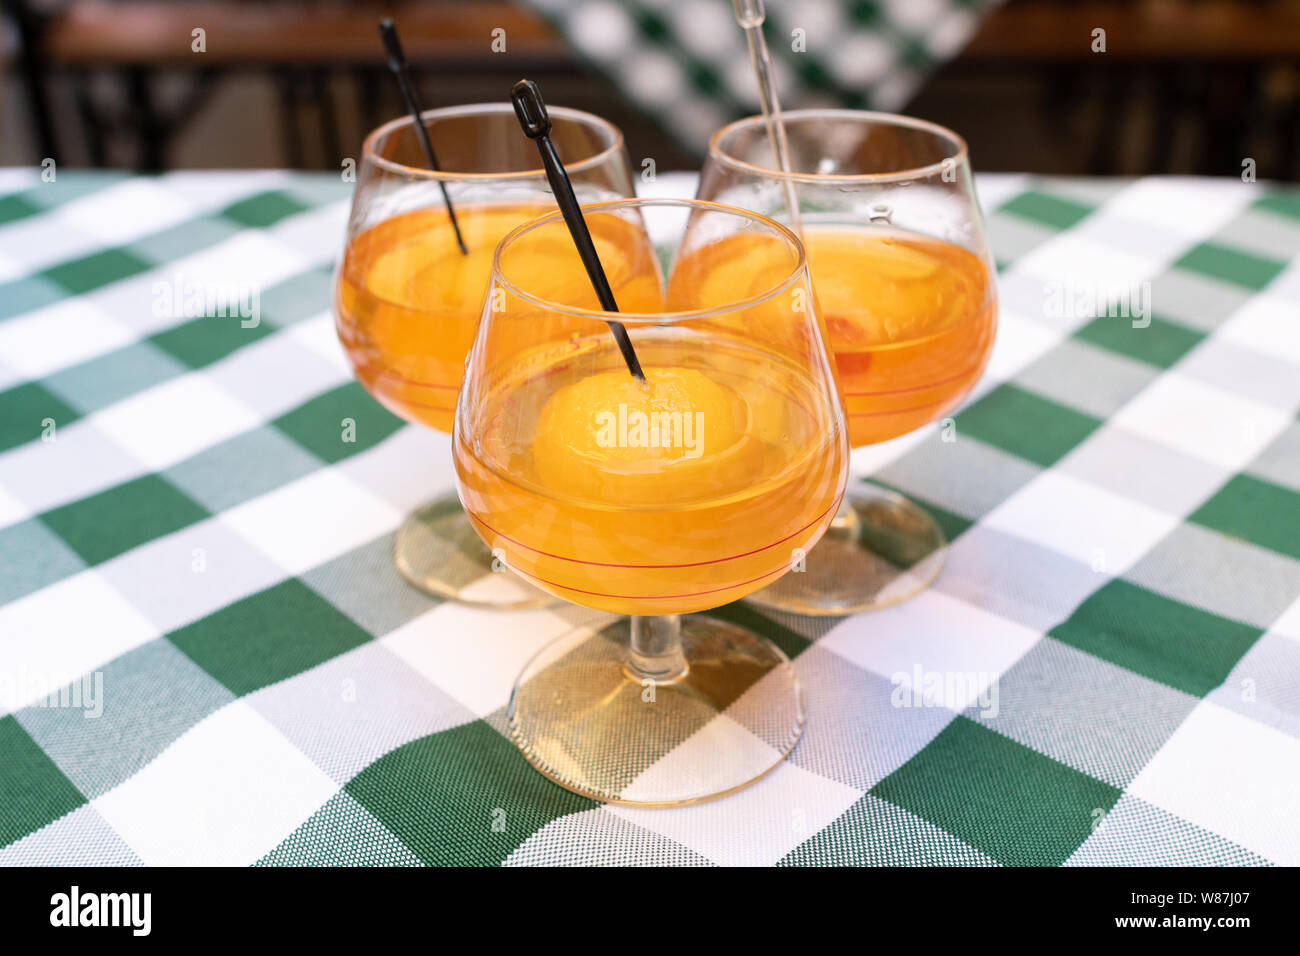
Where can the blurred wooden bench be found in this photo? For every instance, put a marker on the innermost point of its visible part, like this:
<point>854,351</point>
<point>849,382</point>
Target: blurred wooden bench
<point>133,32</point>
<point>302,42</point>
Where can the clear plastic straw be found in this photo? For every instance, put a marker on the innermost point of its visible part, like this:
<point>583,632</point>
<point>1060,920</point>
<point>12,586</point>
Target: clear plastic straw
<point>750,15</point>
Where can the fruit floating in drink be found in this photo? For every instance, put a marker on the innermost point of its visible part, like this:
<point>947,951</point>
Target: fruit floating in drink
<point>910,322</point>
<point>680,493</point>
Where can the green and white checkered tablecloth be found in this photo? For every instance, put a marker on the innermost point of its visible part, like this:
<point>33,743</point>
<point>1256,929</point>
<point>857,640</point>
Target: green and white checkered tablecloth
<point>1108,670</point>
<point>686,62</point>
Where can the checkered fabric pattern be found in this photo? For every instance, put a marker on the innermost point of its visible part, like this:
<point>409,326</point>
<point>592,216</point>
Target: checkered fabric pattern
<point>686,62</point>
<point>1105,673</point>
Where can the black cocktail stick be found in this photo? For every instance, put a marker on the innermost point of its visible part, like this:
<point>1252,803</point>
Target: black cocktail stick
<point>402,70</point>
<point>531,110</point>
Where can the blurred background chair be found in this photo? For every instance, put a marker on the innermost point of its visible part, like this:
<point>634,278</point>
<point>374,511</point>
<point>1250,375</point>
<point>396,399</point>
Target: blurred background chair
<point>1192,86</point>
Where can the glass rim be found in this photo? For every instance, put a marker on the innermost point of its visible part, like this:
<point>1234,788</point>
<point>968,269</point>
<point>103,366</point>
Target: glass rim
<point>652,318</point>
<point>961,156</point>
<point>612,133</point>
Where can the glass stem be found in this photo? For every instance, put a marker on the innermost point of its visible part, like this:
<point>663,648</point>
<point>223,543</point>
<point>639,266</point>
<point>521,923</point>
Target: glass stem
<point>656,649</point>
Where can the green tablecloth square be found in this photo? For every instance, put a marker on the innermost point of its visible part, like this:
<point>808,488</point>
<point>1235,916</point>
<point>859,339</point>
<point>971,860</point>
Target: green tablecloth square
<point>33,791</point>
<point>1086,378</point>
<point>208,338</point>
<point>151,696</point>
<point>442,794</point>
<point>363,586</point>
<point>241,468</point>
<point>96,270</point>
<point>1263,232</point>
<point>864,12</point>
<point>16,206</point>
<point>268,636</point>
<point>1286,202</point>
<point>106,524</point>
<point>705,79</point>
<point>341,833</point>
<point>317,189</point>
<point>969,777</point>
<point>1187,648</point>
<point>319,425</point>
<point>1025,424</point>
<point>1087,713</point>
<point>99,382</point>
<point>264,209</point>
<point>181,240</point>
<point>1162,343</point>
<point>913,52</point>
<point>1013,236</point>
<point>1279,463</point>
<point>28,294</point>
<point>25,409</point>
<point>651,25</point>
<point>1042,207</point>
<point>1225,576</point>
<point>814,73</point>
<point>1230,265</point>
<point>74,185</point>
<point>789,640</point>
<point>875,832</point>
<point>1256,511</point>
<point>964,479</point>
<point>32,556</point>
<point>297,297</point>
<point>1195,300</point>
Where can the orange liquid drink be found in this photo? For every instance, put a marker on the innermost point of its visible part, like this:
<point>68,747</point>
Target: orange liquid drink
<point>678,494</point>
<point>910,322</point>
<point>409,302</point>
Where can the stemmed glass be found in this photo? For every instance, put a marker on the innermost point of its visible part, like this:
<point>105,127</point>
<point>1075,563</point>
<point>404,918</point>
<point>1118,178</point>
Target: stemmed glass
<point>407,300</point>
<point>906,286</point>
<point>654,499</point>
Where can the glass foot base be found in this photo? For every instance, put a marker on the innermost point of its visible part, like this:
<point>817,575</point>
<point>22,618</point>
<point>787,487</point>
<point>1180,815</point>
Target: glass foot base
<point>437,550</point>
<point>587,720</point>
<point>880,550</point>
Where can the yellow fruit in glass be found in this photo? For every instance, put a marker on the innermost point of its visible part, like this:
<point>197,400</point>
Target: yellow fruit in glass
<point>680,493</point>
<point>677,494</point>
<point>910,322</point>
